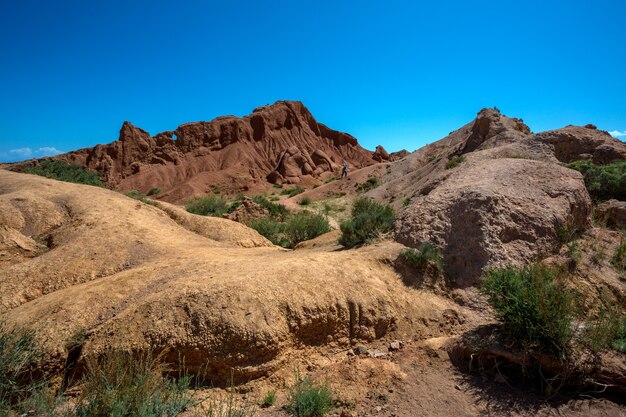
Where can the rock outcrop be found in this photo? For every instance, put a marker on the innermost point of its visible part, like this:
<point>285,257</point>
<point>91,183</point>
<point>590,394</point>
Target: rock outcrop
<point>574,143</point>
<point>496,213</point>
<point>281,143</point>
<point>612,213</point>
<point>504,199</point>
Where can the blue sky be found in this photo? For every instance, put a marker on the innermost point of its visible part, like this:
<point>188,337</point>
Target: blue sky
<point>401,74</point>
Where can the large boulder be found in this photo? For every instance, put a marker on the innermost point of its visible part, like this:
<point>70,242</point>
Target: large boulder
<point>573,143</point>
<point>495,212</point>
<point>612,213</point>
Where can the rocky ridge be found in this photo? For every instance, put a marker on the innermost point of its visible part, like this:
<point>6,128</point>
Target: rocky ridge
<point>280,144</point>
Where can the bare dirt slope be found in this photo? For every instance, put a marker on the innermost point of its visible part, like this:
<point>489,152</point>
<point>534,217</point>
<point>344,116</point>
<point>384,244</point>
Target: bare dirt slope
<point>125,273</point>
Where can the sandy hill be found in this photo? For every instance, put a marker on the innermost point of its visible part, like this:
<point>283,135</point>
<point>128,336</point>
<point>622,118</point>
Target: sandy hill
<point>80,259</point>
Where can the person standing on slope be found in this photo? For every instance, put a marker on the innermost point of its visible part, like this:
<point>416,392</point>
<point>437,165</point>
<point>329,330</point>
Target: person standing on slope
<point>344,171</point>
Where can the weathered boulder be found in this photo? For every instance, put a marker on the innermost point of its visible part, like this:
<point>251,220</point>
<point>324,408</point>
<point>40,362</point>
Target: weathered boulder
<point>612,213</point>
<point>380,154</point>
<point>495,212</point>
<point>573,143</point>
<point>246,211</point>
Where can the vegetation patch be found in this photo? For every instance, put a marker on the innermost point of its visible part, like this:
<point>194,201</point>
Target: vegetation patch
<point>63,171</point>
<point>208,205</point>
<point>367,221</point>
<point>424,255</point>
<point>308,399</point>
<point>292,191</point>
<point>141,197</point>
<point>567,233</point>
<point>603,182</point>
<point>619,258</point>
<point>18,355</point>
<point>123,384</point>
<point>371,183</point>
<point>153,191</point>
<point>454,162</point>
<point>268,399</point>
<point>536,311</point>
<point>607,331</point>
<point>406,201</point>
<point>304,201</point>
<point>292,229</point>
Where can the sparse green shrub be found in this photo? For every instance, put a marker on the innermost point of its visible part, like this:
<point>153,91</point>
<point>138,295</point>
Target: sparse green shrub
<point>304,201</point>
<point>296,228</point>
<point>619,258</point>
<point>208,205</point>
<point>141,197</point>
<point>153,191</point>
<point>331,179</point>
<point>425,253</point>
<point>535,310</point>
<point>368,220</point>
<point>308,399</point>
<point>124,384</point>
<point>371,183</point>
<point>573,252</point>
<point>406,201</point>
<point>292,191</point>
<point>608,330</point>
<point>279,186</point>
<point>278,211</point>
<point>454,162</point>
<point>63,171</point>
<point>305,225</point>
<point>18,355</point>
<point>566,233</point>
<point>269,399</point>
<point>603,181</point>
<point>270,228</point>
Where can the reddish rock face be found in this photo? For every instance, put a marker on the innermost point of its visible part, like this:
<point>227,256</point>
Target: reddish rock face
<point>281,143</point>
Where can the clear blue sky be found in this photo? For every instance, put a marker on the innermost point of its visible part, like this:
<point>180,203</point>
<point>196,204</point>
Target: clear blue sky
<point>401,74</point>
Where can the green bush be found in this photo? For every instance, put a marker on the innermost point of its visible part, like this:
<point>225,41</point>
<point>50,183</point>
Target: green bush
<point>270,228</point>
<point>608,330</point>
<point>18,355</point>
<point>63,171</point>
<point>208,205</point>
<point>138,196</point>
<point>307,399</point>
<point>278,211</point>
<point>304,201</point>
<point>369,184</point>
<point>567,233</point>
<point>619,258</point>
<point>292,191</point>
<point>305,225</point>
<point>153,191</point>
<point>425,253</point>
<point>294,229</point>
<point>603,181</point>
<point>367,221</point>
<point>406,201</point>
<point>454,162</point>
<point>123,384</point>
<point>269,399</point>
<point>535,310</point>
